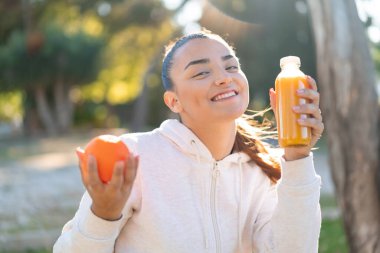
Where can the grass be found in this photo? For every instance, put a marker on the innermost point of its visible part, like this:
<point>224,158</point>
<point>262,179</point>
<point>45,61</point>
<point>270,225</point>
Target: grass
<point>332,238</point>
<point>28,251</point>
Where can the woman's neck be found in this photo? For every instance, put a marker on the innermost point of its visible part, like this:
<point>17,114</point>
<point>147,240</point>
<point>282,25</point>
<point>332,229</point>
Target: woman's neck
<point>218,138</point>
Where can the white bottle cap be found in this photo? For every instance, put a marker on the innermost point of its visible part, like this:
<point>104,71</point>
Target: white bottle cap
<point>290,59</point>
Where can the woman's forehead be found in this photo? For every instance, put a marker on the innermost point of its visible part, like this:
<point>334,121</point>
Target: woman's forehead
<point>201,48</point>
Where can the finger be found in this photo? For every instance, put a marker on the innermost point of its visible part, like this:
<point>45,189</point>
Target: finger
<point>131,170</point>
<point>117,175</point>
<point>312,82</point>
<point>272,98</point>
<point>273,102</point>
<point>82,161</point>
<point>310,94</point>
<point>317,115</point>
<point>316,125</point>
<point>83,173</point>
<point>93,176</point>
<point>311,109</point>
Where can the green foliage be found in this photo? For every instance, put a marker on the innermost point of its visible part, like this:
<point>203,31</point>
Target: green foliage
<point>9,18</point>
<point>90,114</point>
<point>251,11</point>
<point>42,58</point>
<point>10,106</point>
<point>376,57</point>
<point>141,13</point>
<point>65,43</point>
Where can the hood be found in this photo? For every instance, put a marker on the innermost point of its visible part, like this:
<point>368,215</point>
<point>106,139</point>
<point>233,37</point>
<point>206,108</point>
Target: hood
<point>189,144</point>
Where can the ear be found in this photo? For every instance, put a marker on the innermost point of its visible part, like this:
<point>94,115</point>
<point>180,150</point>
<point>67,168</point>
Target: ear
<point>171,101</point>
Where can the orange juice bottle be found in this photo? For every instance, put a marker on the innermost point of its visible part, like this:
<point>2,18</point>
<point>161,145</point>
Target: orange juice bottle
<point>290,79</point>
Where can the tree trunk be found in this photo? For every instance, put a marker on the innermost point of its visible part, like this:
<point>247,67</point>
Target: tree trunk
<point>63,106</point>
<point>31,122</point>
<point>44,111</point>
<point>346,77</point>
<point>141,106</point>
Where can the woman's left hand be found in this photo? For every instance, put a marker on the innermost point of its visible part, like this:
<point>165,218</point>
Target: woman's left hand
<point>314,119</point>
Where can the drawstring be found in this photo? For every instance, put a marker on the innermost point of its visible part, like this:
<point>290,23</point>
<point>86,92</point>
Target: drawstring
<point>203,198</point>
<point>240,205</point>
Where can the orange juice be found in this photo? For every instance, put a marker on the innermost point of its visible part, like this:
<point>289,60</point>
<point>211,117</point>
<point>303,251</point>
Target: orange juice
<point>290,79</point>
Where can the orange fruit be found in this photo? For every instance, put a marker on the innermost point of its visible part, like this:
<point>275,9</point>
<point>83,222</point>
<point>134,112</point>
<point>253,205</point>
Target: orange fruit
<point>107,149</point>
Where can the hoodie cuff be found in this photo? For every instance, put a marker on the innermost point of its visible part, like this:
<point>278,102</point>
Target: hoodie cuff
<point>298,172</point>
<point>97,228</point>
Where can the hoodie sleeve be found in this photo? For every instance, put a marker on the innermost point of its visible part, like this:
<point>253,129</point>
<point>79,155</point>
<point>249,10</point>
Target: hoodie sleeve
<point>290,217</point>
<point>87,232</point>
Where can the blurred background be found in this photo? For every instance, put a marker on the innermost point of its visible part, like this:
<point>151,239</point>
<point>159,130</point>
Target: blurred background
<point>74,69</point>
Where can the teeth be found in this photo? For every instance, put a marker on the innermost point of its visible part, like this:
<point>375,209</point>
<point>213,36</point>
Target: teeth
<point>224,95</point>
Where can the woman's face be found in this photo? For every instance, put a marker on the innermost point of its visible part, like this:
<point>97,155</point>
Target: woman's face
<point>208,84</point>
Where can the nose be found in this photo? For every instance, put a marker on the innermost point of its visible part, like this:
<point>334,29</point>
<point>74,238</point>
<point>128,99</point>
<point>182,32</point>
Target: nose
<point>223,79</point>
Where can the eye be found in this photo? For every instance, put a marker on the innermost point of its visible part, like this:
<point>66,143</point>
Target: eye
<point>232,68</point>
<point>200,74</point>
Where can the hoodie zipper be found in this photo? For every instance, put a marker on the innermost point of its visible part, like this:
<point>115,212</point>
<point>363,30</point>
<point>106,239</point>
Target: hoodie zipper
<point>215,175</point>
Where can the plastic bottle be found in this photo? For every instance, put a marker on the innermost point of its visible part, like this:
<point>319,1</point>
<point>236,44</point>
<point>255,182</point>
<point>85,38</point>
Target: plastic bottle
<point>289,80</point>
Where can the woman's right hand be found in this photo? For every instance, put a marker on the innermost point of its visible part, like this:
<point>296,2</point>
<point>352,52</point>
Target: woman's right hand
<point>108,199</point>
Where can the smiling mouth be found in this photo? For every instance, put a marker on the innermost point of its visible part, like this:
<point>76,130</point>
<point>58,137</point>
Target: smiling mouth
<point>224,96</point>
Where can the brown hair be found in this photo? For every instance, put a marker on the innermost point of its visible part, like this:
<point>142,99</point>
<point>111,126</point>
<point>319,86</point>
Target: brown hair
<point>250,138</point>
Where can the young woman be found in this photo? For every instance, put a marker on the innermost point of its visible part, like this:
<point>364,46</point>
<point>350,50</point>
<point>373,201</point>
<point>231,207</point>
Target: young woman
<point>204,183</point>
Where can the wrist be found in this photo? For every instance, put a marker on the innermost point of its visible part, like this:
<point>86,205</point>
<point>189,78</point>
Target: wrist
<point>295,153</point>
<point>106,214</point>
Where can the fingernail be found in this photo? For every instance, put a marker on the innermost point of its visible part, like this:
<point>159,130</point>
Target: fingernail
<point>91,158</point>
<point>296,107</point>
<point>300,91</point>
<point>301,120</point>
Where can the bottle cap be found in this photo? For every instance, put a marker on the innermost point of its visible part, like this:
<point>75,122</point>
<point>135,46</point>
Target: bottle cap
<point>290,59</point>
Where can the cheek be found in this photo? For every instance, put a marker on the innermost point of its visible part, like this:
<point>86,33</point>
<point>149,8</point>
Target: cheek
<point>190,94</point>
<point>244,84</point>
<point>245,89</point>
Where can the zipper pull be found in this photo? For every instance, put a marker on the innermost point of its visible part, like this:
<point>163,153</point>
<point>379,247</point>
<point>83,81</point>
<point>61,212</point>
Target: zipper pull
<point>216,171</point>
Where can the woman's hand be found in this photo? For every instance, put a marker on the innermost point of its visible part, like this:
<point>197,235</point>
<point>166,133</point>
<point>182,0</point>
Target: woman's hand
<point>108,199</point>
<point>314,119</point>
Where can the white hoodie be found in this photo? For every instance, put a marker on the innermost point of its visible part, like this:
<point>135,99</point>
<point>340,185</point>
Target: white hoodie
<point>183,201</point>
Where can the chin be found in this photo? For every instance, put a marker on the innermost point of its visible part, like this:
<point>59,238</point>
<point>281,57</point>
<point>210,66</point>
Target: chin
<point>234,114</point>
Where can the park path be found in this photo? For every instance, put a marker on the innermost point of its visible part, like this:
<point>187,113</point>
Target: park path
<point>39,193</point>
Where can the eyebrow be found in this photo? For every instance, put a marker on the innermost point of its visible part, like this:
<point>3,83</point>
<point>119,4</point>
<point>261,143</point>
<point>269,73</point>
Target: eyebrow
<point>206,60</point>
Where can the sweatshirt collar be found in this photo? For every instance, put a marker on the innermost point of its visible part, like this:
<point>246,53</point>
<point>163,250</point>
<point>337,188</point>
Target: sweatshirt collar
<point>188,143</point>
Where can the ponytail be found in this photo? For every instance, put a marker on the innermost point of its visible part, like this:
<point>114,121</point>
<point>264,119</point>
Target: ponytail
<point>248,141</point>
